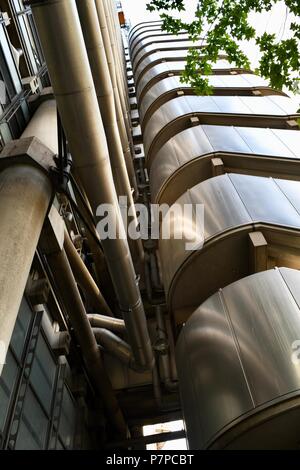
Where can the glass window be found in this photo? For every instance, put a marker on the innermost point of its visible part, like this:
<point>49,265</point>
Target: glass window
<point>43,372</point>
<point>21,329</point>
<point>34,425</point>
<point>7,382</point>
<point>67,420</point>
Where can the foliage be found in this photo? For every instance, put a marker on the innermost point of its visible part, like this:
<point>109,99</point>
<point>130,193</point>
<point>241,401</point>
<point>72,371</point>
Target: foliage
<point>220,25</point>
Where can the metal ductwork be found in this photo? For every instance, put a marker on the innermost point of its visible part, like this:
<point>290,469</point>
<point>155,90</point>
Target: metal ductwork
<point>156,68</point>
<point>77,103</point>
<point>103,85</point>
<point>238,368</point>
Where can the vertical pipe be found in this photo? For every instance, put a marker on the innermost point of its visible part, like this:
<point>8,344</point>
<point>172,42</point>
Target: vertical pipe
<point>122,117</point>
<point>100,71</point>
<point>25,194</point>
<point>64,49</point>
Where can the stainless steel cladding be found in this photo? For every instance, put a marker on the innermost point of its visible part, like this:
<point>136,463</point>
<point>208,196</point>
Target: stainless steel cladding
<point>163,46</point>
<point>234,206</point>
<point>189,157</point>
<point>187,111</point>
<point>167,89</point>
<point>143,37</point>
<point>152,39</point>
<point>238,365</point>
<point>238,375</point>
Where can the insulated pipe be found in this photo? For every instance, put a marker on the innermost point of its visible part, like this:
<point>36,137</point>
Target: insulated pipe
<point>25,195</point>
<point>101,75</point>
<point>84,278</point>
<point>101,321</point>
<point>64,49</point>
<point>115,346</point>
<point>43,125</point>
<point>122,116</point>
<point>164,358</point>
<point>70,296</point>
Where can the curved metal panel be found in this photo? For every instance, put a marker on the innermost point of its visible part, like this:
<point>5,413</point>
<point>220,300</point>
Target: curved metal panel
<point>145,24</point>
<point>186,159</point>
<point>145,29</point>
<point>174,116</point>
<point>163,46</point>
<point>145,35</point>
<point>234,357</point>
<point>181,55</point>
<point>166,89</point>
<point>161,39</point>
<point>156,73</point>
<point>160,71</point>
<point>234,205</point>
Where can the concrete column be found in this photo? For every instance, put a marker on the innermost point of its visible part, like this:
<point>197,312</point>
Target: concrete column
<point>25,195</point>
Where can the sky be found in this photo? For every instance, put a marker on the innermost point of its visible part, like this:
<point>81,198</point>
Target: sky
<point>276,21</point>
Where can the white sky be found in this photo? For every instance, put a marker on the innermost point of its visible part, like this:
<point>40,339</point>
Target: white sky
<point>179,444</point>
<point>135,11</point>
<point>276,21</point>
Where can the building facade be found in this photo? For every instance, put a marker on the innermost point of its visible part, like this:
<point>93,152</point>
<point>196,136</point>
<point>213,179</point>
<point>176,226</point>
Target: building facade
<point>102,336</point>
